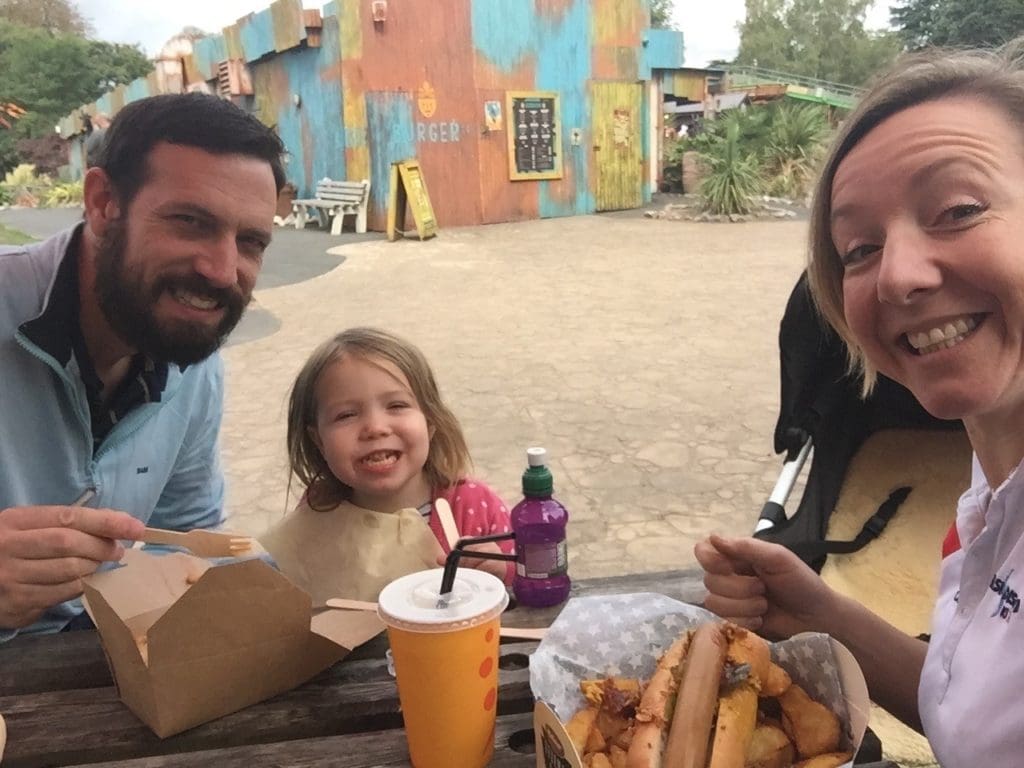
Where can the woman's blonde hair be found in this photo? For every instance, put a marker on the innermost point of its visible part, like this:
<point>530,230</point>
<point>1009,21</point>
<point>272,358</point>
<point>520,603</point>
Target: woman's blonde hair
<point>448,459</point>
<point>994,76</point>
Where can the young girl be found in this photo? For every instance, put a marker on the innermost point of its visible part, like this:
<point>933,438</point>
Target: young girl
<point>375,446</point>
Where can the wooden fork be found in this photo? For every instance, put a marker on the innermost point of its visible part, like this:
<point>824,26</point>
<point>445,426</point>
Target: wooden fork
<point>444,514</point>
<point>200,542</point>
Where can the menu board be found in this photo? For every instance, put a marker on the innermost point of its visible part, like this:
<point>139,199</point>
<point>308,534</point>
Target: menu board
<point>534,135</point>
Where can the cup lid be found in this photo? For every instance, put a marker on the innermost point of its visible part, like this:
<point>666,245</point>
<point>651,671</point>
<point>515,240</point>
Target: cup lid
<point>410,602</point>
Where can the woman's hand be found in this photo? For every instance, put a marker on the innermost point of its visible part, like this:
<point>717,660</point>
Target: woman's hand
<point>764,587</point>
<point>498,568</point>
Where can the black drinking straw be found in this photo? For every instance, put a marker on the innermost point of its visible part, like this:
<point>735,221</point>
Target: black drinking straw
<point>451,563</point>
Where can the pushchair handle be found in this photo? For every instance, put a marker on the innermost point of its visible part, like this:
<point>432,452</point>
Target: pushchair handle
<point>773,513</point>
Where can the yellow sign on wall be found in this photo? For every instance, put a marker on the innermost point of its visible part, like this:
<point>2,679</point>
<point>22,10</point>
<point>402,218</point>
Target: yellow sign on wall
<point>408,187</point>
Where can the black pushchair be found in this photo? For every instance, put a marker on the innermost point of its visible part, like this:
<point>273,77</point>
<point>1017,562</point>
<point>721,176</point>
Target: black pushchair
<point>880,494</point>
<point>822,413</point>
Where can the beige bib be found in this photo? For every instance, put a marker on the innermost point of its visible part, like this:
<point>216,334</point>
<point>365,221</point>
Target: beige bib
<point>349,551</point>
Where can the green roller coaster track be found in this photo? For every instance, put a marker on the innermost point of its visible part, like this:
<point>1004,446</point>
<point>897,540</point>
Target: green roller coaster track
<point>797,86</point>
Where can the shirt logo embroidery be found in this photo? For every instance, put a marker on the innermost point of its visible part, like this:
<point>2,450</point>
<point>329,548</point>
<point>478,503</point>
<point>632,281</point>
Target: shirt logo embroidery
<point>141,470</point>
<point>1009,602</point>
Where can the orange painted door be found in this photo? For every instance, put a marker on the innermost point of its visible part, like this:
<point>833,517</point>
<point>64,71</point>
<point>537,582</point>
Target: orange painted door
<point>618,145</point>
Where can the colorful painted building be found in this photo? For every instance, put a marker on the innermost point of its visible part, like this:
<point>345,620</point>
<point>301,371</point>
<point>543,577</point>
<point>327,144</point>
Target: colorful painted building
<point>515,109</point>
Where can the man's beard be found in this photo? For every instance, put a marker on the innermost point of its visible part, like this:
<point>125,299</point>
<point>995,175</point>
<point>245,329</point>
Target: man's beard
<point>128,303</point>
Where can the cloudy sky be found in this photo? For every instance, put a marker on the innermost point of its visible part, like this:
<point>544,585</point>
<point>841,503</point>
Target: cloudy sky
<point>709,26</point>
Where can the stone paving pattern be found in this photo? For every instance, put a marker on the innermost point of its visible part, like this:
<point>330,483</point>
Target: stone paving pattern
<point>642,354</point>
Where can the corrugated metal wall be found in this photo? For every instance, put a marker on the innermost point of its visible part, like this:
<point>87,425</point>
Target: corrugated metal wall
<point>420,51</point>
<point>299,93</point>
<point>392,127</point>
<point>618,142</point>
<point>349,95</point>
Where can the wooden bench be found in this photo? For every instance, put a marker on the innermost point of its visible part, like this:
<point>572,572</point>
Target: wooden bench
<point>335,199</point>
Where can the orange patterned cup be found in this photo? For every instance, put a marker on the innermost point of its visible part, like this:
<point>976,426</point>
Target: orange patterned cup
<point>446,662</point>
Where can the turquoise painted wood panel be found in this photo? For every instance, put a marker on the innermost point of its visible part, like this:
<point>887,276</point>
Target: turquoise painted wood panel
<point>503,31</point>
<point>105,104</point>
<point>663,49</point>
<point>312,131</point>
<point>137,89</point>
<point>564,65</point>
<point>257,34</point>
<point>208,53</point>
<point>392,136</point>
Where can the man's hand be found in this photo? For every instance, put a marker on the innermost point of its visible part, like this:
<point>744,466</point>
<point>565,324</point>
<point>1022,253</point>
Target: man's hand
<point>496,567</point>
<point>45,552</point>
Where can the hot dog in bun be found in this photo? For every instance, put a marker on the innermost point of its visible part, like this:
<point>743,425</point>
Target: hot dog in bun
<point>700,707</point>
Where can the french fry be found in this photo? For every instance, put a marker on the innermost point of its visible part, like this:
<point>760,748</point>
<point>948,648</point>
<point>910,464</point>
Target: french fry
<point>812,727</point>
<point>595,741</point>
<point>579,726</point>
<point>776,682</point>
<point>593,691</point>
<point>831,760</point>
<point>761,718</point>
<point>617,756</point>
<point>769,747</point>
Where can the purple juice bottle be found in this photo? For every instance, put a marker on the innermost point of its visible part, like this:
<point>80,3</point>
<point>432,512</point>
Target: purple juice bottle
<point>542,564</point>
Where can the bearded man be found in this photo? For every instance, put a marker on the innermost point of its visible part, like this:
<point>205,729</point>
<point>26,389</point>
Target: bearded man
<point>110,385</point>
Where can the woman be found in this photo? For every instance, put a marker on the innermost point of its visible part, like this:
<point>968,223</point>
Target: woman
<point>917,260</point>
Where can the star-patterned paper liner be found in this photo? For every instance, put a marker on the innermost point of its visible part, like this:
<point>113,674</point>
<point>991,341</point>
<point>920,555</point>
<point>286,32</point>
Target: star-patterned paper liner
<point>624,635</point>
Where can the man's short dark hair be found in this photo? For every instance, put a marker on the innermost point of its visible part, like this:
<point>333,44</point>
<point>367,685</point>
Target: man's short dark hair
<point>197,120</point>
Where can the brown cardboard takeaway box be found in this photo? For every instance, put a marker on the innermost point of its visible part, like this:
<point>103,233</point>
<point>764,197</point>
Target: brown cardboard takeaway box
<point>185,653</point>
<point>624,635</point>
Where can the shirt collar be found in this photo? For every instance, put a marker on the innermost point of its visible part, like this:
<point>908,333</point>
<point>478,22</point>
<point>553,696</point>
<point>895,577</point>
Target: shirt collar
<point>58,330</point>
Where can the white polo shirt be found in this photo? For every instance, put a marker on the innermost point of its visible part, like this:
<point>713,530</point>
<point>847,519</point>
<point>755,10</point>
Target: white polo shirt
<point>971,697</point>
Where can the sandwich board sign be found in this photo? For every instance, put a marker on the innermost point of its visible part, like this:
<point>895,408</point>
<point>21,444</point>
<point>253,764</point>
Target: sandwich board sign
<point>408,186</point>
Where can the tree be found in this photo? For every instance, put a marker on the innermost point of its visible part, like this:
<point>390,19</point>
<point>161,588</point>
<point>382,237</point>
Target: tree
<point>823,39</point>
<point>51,15</point>
<point>52,74</point>
<point>974,23</point>
<point>661,14</point>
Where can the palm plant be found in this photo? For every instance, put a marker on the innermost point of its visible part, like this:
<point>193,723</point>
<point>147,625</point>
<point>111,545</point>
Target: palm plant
<point>796,138</point>
<point>733,171</point>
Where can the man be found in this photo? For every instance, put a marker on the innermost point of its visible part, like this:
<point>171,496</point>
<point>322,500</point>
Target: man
<point>95,129</point>
<point>108,333</point>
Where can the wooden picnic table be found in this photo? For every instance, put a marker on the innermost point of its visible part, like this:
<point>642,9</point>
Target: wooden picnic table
<point>62,709</point>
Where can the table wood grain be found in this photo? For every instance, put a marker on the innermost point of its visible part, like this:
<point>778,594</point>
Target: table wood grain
<point>62,708</point>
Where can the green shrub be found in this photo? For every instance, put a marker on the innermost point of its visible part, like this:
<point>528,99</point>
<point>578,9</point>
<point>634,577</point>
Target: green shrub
<point>733,173</point>
<point>23,186</point>
<point>63,193</point>
<point>796,140</point>
<point>773,149</point>
<point>23,175</point>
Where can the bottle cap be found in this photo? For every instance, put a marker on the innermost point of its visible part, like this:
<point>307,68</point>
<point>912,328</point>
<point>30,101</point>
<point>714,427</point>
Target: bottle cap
<point>537,480</point>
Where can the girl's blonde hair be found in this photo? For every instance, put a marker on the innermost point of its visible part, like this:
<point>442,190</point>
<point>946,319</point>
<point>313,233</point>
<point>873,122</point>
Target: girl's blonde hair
<point>448,459</point>
<point>994,76</point>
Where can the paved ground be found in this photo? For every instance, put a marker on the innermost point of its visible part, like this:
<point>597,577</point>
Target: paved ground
<point>641,353</point>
